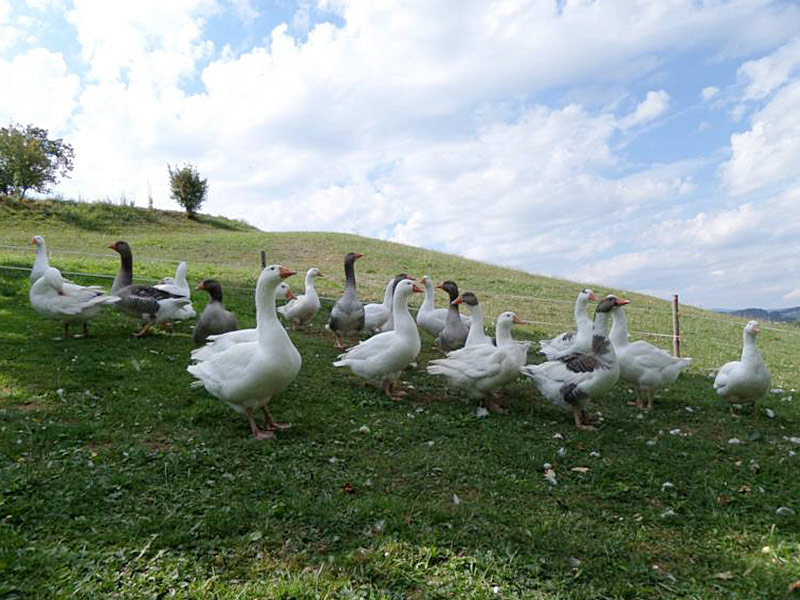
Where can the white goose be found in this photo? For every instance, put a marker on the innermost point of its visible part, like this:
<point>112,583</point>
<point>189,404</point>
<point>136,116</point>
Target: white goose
<point>748,379</point>
<point>384,356</point>
<point>571,380</point>
<point>247,376</point>
<point>641,363</point>
<point>53,297</point>
<point>179,287</point>
<point>378,317</point>
<point>481,369</point>
<point>305,306</point>
<point>216,343</point>
<point>476,335</point>
<point>573,341</point>
<point>430,319</point>
<point>41,263</point>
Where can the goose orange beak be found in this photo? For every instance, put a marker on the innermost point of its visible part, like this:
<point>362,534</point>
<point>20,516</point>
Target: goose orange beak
<point>622,301</point>
<point>290,295</point>
<point>112,246</point>
<point>357,255</point>
<point>416,289</point>
<point>286,272</point>
<point>201,286</point>
<point>459,300</point>
<point>593,297</point>
<point>519,321</point>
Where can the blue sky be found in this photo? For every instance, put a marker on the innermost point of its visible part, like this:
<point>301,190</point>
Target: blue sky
<point>649,146</point>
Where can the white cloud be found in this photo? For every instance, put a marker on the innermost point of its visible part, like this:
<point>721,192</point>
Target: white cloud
<point>653,106</point>
<point>765,75</point>
<point>768,153</point>
<point>709,92</point>
<point>38,89</point>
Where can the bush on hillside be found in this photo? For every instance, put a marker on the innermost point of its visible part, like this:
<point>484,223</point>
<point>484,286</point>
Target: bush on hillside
<point>187,187</point>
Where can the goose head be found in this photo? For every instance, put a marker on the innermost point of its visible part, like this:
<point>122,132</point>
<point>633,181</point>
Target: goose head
<point>610,302</point>
<point>467,298</point>
<point>121,247</point>
<point>314,272</point>
<point>752,328</point>
<point>450,287</point>
<point>406,287</point>
<point>587,295</point>
<point>37,241</point>
<point>351,257</point>
<point>511,318</point>
<point>285,290</point>
<point>213,288</point>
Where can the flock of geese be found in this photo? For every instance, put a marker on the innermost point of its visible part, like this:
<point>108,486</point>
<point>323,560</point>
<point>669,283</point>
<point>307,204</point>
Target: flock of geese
<point>246,368</point>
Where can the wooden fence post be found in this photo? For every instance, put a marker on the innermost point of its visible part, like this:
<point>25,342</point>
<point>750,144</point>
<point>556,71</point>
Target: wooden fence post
<point>263,259</point>
<point>676,327</point>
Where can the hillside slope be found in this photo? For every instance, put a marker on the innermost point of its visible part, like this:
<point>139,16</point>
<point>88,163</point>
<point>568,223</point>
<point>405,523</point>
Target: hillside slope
<point>77,235</point>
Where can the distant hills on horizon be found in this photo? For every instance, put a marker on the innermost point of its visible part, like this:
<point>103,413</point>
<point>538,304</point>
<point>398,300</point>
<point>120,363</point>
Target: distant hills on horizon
<point>762,314</point>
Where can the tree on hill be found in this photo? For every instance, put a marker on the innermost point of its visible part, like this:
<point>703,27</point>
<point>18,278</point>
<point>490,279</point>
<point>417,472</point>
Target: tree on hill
<point>29,160</point>
<point>187,188</point>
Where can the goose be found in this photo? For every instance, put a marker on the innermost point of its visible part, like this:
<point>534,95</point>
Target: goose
<point>384,356</point>
<point>748,379</point>
<point>219,342</point>
<point>571,380</point>
<point>430,319</point>
<point>477,335</point>
<point>641,363</point>
<point>214,319</point>
<point>54,298</point>
<point>573,341</point>
<point>41,263</point>
<point>247,376</point>
<point>347,315</point>
<point>455,331</point>
<point>304,307</point>
<point>378,317</point>
<point>143,302</point>
<point>180,287</point>
<point>483,368</point>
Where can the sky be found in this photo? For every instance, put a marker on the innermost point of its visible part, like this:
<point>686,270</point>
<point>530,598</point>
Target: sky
<point>645,145</point>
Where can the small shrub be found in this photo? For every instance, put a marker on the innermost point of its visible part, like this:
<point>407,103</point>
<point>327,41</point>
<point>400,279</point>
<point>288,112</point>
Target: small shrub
<point>187,188</point>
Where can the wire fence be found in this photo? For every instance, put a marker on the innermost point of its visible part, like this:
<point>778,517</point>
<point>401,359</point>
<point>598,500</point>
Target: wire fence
<point>689,319</point>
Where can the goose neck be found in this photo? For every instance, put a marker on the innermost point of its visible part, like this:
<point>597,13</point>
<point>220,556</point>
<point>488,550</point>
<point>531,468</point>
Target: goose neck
<point>749,347</point>
<point>427,301</point>
<point>124,276</point>
<point>350,274</point>
<point>619,328</point>
<point>387,295</point>
<point>403,322</point>
<point>503,333</point>
<point>476,324</point>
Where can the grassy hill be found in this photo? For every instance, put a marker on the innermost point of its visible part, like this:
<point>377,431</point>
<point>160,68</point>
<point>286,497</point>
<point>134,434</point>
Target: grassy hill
<point>117,480</point>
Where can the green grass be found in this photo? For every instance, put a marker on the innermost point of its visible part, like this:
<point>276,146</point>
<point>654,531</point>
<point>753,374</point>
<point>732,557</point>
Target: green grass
<point>117,480</point>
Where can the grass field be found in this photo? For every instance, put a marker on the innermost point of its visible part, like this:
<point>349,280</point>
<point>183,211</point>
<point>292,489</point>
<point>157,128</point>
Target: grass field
<point>117,480</point>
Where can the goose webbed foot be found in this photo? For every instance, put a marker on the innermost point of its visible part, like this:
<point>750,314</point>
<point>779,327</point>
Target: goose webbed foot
<point>142,331</point>
<point>273,425</point>
<point>492,404</point>
<point>258,433</point>
<point>389,389</point>
<point>85,330</point>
